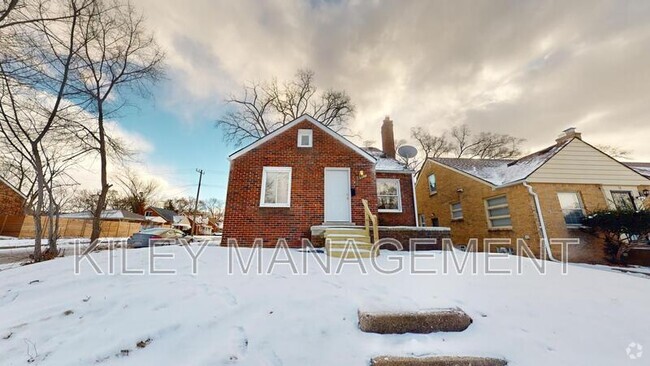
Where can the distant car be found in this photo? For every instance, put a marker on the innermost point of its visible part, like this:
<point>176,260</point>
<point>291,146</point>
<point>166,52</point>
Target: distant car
<point>157,236</point>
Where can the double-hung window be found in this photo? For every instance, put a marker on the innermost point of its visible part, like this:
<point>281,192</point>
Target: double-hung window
<point>498,212</point>
<point>456,211</point>
<point>572,209</point>
<point>276,187</point>
<point>388,195</point>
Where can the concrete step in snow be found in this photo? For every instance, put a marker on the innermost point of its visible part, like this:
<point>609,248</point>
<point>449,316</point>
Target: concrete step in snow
<point>436,361</point>
<point>438,320</point>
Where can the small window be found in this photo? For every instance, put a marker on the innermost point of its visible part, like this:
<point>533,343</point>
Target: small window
<point>423,220</point>
<point>432,184</point>
<point>623,200</point>
<point>147,214</point>
<point>571,208</point>
<point>456,211</point>
<point>305,138</point>
<point>388,195</point>
<point>498,212</point>
<point>276,187</point>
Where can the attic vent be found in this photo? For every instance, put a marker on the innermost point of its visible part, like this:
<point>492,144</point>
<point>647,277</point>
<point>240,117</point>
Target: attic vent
<point>305,138</point>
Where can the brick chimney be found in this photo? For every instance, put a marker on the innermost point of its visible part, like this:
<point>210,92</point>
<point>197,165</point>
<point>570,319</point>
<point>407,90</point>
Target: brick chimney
<point>387,138</point>
<point>567,135</point>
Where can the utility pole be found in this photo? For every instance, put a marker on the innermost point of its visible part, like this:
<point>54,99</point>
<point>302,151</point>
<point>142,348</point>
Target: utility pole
<point>196,203</point>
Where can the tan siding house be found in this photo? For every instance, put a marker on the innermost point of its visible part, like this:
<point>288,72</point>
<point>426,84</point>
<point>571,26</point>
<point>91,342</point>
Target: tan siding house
<point>541,196</point>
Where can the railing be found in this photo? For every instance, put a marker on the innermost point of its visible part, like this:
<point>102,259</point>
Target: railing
<point>370,218</point>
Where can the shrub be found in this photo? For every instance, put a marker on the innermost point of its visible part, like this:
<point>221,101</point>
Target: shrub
<point>623,229</point>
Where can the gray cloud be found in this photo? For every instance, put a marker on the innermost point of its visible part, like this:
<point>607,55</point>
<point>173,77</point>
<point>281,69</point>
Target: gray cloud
<point>521,67</point>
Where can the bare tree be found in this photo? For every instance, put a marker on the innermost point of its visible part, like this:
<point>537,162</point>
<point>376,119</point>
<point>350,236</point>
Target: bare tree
<point>137,193</point>
<point>34,87</point>
<point>431,146</point>
<point>213,208</point>
<point>119,55</point>
<point>615,151</point>
<point>264,107</point>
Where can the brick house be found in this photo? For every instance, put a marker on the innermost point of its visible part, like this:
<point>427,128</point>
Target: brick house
<point>304,175</point>
<point>12,201</point>
<point>544,194</point>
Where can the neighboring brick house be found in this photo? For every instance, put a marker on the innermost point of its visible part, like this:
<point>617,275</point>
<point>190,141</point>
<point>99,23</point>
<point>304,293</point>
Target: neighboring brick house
<point>12,202</point>
<point>481,199</point>
<point>304,174</point>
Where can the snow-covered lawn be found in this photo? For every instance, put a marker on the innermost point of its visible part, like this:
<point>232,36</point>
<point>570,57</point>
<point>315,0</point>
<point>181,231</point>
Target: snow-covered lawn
<point>50,316</point>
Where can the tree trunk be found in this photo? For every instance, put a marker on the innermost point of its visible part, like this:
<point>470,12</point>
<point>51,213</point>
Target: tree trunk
<point>101,200</point>
<point>38,209</point>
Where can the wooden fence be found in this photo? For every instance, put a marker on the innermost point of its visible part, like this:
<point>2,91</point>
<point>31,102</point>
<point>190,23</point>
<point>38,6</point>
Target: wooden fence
<point>23,227</point>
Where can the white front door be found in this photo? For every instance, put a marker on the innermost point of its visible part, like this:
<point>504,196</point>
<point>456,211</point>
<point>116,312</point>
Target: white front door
<point>337,195</point>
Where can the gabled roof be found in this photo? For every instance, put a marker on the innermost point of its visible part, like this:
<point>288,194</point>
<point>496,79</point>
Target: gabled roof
<point>168,215</point>
<point>499,172</point>
<point>308,118</point>
<point>3,181</point>
<point>386,164</point>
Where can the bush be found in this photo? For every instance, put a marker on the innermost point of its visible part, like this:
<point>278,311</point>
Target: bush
<point>623,229</point>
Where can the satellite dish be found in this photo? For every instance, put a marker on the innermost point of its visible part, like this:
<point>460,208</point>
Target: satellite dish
<point>407,151</point>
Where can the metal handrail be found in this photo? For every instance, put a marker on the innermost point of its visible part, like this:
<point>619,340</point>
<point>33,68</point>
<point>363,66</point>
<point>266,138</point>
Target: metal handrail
<point>370,218</point>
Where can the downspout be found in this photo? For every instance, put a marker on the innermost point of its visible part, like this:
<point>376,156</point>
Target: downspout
<point>538,208</point>
<point>415,201</point>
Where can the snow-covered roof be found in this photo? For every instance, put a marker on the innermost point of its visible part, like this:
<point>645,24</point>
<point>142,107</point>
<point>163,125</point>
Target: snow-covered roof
<point>641,168</point>
<point>500,172</point>
<point>386,164</point>
<point>106,215</point>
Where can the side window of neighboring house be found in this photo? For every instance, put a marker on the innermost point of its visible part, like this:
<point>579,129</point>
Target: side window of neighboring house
<point>572,208</point>
<point>148,213</point>
<point>498,212</point>
<point>456,211</point>
<point>276,187</point>
<point>623,200</point>
<point>388,195</point>
<point>432,184</point>
<point>435,222</point>
<point>305,138</point>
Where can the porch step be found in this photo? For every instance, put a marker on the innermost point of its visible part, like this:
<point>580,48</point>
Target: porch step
<point>348,243</point>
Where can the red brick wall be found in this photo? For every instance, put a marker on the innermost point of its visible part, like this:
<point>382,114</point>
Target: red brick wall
<point>407,216</point>
<point>245,220</point>
<point>11,203</point>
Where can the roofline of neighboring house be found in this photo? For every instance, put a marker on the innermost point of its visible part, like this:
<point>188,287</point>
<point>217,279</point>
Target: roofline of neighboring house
<point>23,196</point>
<point>304,117</point>
<point>432,160</point>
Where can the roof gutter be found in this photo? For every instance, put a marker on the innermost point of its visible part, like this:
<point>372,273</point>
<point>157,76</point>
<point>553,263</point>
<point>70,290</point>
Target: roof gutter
<point>542,225</point>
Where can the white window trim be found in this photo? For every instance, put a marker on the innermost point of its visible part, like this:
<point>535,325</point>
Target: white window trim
<point>460,209</point>
<point>262,189</point>
<point>582,207</point>
<point>490,218</point>
<point>305,132</point>
<point>399,196</point>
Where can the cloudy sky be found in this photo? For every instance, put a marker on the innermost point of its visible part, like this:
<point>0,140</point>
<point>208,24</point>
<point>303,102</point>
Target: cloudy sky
<point>527,68</point>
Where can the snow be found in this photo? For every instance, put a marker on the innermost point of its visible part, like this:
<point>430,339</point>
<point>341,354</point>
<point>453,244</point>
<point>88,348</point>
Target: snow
<point>54,317</point>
